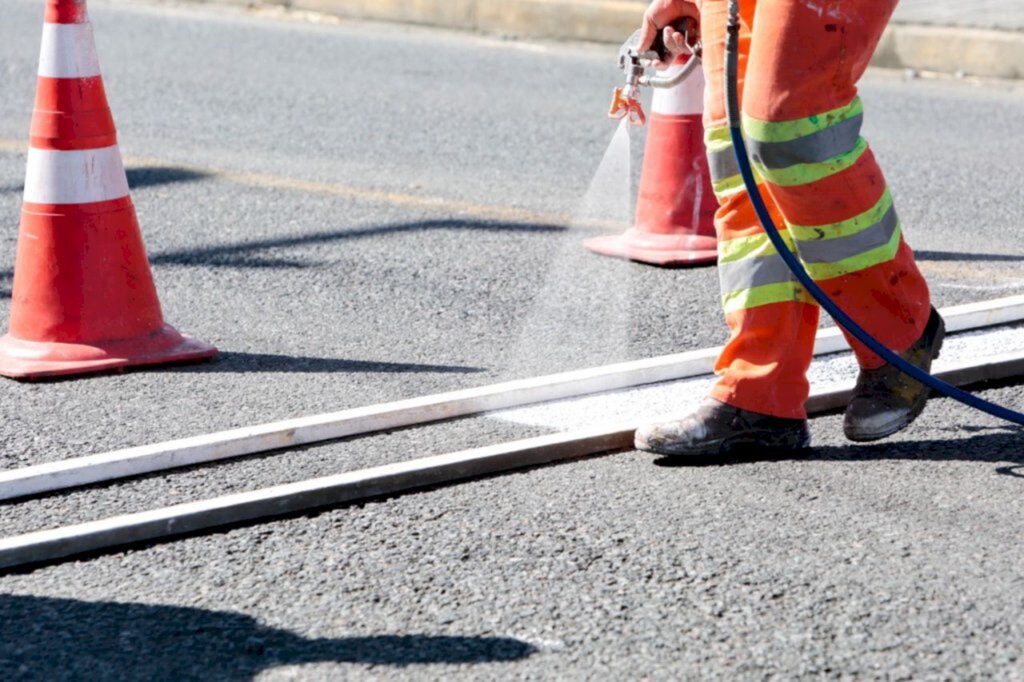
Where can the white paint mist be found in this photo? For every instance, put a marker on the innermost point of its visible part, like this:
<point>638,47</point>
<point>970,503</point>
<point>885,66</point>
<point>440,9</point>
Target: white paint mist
<point>608,202</point>
<point>581,315</point>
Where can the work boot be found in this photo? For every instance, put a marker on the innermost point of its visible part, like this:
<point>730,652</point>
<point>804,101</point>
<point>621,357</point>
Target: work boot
<point>886,400</point>
<point>720,429</point>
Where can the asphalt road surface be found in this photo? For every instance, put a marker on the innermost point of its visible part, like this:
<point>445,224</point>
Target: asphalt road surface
<point>356,213</point>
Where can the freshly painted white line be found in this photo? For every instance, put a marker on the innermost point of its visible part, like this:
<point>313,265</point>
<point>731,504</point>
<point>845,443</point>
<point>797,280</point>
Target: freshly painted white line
<point>676,398</point>
<point>58,543</point>
<point>68,51</point>
<point>81,176</point>
<point>984,287</point>
<point>134,461</point>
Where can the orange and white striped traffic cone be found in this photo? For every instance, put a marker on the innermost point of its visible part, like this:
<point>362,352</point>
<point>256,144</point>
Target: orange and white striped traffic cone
<point>675,210</point>
<point>83,297</point>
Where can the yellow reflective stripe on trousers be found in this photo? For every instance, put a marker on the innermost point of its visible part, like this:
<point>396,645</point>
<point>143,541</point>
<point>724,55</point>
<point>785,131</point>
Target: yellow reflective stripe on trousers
<point>793,291</point>
<point>752,259</point>
<point>747,259</point>
<point>806,173</point>
<point>781,292</point>
<point>721,155</point>
<point>754,246</point>
<point>844,228</point>
<point>805,150</point>
<point>727,187</point>
<point>784,131</point>
<point>717,139</point>
<point>881,254</point>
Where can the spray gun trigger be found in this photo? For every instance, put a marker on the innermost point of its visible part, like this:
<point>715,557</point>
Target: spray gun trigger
<point>636,113</point>
<point>628,107</point>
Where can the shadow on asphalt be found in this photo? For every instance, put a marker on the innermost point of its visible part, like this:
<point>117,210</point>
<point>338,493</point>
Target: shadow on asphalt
<point>150,176</point>
<point>58,639</point>
<point>262,362</point>
<point>996,445</point>
<point>243,254</point>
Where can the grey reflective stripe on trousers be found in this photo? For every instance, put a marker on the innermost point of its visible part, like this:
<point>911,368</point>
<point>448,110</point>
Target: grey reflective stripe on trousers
<point>815,148</point>
<point>753,272</point>
<point>723,164</point>
<point>841,248</point>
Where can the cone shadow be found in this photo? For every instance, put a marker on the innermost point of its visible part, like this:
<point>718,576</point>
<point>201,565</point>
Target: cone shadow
<point>246,254</point>
<point>243,363</point>
<point>150,176</point>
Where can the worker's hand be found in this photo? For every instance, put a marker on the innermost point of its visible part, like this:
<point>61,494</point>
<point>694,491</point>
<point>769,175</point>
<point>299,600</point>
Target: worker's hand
<point>659,17</point>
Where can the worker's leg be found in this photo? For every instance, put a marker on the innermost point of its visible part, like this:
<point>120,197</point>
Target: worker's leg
<point>772,320</point>
<point>758,401</point>
<point>802,119</point>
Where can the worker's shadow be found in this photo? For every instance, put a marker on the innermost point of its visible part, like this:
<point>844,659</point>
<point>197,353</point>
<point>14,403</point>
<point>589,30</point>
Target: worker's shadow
<point>998,445</point>
<point>64,639</point>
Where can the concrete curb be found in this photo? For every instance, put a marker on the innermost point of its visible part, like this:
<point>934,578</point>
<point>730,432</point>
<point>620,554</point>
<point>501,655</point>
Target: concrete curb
<point>952,50</point>
<point>970,51</point>
<point>595,20</point>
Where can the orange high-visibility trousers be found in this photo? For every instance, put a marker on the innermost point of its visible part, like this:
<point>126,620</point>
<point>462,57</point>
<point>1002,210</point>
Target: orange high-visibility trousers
<point>800,61</point>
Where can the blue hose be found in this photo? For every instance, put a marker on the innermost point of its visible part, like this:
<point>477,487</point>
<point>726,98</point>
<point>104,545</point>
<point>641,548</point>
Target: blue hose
<point>841,318</point>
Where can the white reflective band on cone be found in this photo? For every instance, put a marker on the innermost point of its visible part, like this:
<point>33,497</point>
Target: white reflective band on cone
<point>68,51</point>
<point>685,99</point>
<point>74,177</point>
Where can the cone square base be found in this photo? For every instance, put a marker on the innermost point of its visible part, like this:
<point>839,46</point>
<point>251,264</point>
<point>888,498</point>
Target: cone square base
<point>666,250</point>
<point>27,360</point>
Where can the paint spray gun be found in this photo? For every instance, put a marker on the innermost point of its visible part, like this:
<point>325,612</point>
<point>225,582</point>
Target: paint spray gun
<point>634,64</point>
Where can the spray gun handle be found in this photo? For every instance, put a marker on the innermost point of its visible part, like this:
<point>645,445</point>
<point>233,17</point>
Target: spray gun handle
<point>659,48</point>
<point>670,80</point>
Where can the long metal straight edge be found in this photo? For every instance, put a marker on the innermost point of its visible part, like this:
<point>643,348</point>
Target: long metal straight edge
<point>135,461</point>
<point>305,495</point>
<point>50,545</point>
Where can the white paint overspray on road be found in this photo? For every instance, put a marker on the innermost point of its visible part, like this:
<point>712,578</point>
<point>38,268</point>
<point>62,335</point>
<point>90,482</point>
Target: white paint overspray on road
<point>582,291</point>
<point>676,398</point>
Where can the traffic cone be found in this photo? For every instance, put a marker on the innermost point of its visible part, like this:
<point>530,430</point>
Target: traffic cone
<point>83,297</point>
<point>676,205</point>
